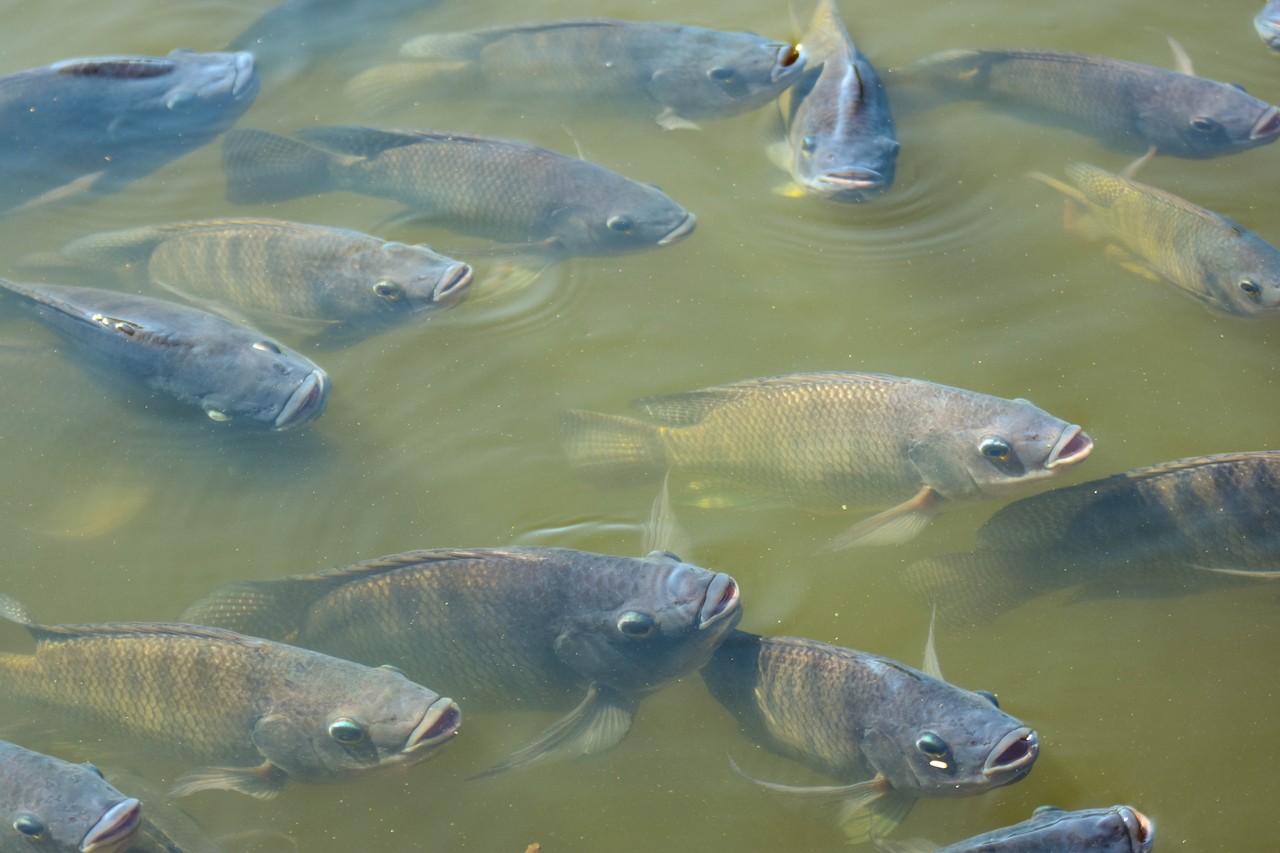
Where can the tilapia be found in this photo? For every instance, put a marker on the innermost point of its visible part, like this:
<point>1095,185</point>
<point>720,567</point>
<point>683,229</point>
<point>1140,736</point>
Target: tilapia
<point>1118,829</point>
<point>50,804</point>
<point>321,279</point>
<point>1267,23</point>
<point>840,143</point>
<point>889,734</point>
<point>520,628</point>
<point>680,73</point>
<point>85,127</point>
<point>269,712</point>
<point>1161,236</point>
<point>485,186</point>
<point>230,371</point>
<point>830,442</point>
<point>1124,104</point>
<point>1169,529</point>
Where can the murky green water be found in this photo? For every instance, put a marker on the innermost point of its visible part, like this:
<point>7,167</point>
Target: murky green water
<point>445,434</point>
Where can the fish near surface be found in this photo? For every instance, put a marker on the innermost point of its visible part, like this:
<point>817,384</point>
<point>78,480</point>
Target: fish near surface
<point>485,186</point>
<point>269,712</point>
<point>677,72</point>
<point>840,140</point>
<point>1159,235</point>
<point>50,804</point>
<point>230,371</point>
<point>1126,105</point>
<point>1117,829</point>
<point>533,628</point>
<point>331,279</point>
<point>888,733</point>
<point>90,126</point>
<point>1267,23</point>
<point>829,442</point>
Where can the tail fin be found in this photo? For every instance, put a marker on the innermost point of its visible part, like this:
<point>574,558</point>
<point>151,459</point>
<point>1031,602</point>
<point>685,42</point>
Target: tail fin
<point>264,167</point>
<point>611,449</point>
<point>270,609</point>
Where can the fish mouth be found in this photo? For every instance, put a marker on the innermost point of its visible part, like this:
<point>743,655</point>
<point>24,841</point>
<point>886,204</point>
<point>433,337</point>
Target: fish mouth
<point>1141,829</point>
<point>452,284</point>
<point>1072,447</point>
<point>1013,755</point>
<point>790,62</point>
<point>1268,126</point>
<point>306,402</point>
<point>438,724</point>
<point>115,830</point>
<point>684,229</point>
<point>853,183</point>
<point>245,75</point>
<point>720,603</point>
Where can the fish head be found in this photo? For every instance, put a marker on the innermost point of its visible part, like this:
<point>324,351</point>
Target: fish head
<point>1117,829</point>
<point>625,216</point>
<point>662,619</point>
<point>1244,274</point>
<point>723,73</point>
<point>1194,117</point>
<point>934,739</point>
<point>394,280</point>
<point>1267,23</point>
<point>833,169</point>
<point>67,807</point>
<point>262,383</point>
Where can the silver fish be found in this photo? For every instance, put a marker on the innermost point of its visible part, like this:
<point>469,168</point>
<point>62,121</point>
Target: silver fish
<point>1118,829</point>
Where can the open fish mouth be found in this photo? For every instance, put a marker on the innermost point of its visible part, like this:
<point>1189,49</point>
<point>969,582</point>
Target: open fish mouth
<point>1072,447</point>
<point>1268,126</point>
<point>438,724</point>
<point>720,603</point>
<point>115,830</point>
<point>452,284</point>
<point>306,402</point>
<point>790,62</point>
<point>1141,829</point>
<point>684,229</point>
<point>246,77</point>
<point>1013,755</point>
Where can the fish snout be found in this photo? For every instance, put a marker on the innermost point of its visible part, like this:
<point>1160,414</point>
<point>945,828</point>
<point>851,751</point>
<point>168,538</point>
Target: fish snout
<point>438,724</point>
<point>684,229</point>
<point>1013,756</point>
<point>720,603</point>
<point>1267,127</point>
<point>1141,829</point>
<point>307,401</point>
<point>854,183</point>
<point>114,831</point>
<point>1073,446</point>
<point>788,64</point>
<point>453,284</point>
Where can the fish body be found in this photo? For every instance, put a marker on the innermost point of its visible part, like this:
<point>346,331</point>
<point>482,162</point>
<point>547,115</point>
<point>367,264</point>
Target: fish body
<point>1159,235</point>
<point>1117,829</point>
<point>50,804</point>
<point>1125,104</point>
<point>830,441</point>
<point>342,280</point>
<point>485,186</point>
<point>887,733</point>
<point>1267,23</point>
<point>232,372</point>
<point>90,126</point>
<point>268,712</point>
<point>681,73</point>
<point>840,140</point>
<point>521,628</point>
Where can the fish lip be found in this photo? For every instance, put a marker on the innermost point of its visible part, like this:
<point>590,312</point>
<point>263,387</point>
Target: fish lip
<point>1073,446</point>
<point>1013,755</point>
<point>684,229</point>
<point>114,831</point>
<point>721,601</point>
<point>1267,126</point>
<point>306,402</point>
<point>1141,828</point>
<point>438,724</point>
<point>453,284</point>
<point>245,74</point>
<point>790,62</point>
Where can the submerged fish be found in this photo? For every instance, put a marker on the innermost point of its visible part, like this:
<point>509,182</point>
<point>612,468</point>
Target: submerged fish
<point>888,733</point>
<point>1170,529</point>
<point>50,804</point>
<point>1126,105</point>
<point>1159,235</point>
<point>489,187</point>
<point>90,126</point>
<point>268,711</point>
<point>330,279</point>
<point>685,72</point>
<point>1118,829</point>
<point>535,628</point>
<point>840,141</point>
<point>830,441</point>
<point>1267,23</point>
<point>232,372</point>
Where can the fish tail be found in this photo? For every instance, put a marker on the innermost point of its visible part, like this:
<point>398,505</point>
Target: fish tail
<point>270,609</point>
<point>974,587</point>
<point>401,83</point>
<point>612,449</point>
<point>263,167</point>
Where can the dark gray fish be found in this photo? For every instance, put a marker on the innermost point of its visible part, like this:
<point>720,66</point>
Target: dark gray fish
<point>1118,829</point>
<point>519,628</point>
<point>1127,105</point>
<point>90,126</point>
<point>840,143</point>
<point>230,371</point>
<point>1267,23</point>
<point>50,804</point>
<point>682,73</point>
<point>496,188</point>
<point>887,733</point>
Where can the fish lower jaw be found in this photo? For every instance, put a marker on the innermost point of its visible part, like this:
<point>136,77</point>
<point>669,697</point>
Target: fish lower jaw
<point>438,725</point>
<point>1074,445</point>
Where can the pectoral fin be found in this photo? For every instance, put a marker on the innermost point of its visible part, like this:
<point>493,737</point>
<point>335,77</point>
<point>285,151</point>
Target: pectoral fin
<point>663,531</point>
<point>893,526</point>
<point>80,186</point>
<point>1181,59</point>
<point>789,189</point>
<point>263,781</point>
<point>600,722</point>
<point>1129,262</point>
<point>669,120</point>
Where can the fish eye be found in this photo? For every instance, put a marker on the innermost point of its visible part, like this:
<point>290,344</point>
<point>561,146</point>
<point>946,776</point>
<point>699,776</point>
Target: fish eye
<point>933,746</point>
<point>989,696</point>
<point>30,826</point>
<point>388,290</point>
<point>346,730</point>
<point>720,74</point>
<point>1204,125</point>
<point>633,623</point>
<point>267,346</point>
<point>995,448</point>
<point>1251,289</point>
<point>808,144</point>
<point>621,224</point>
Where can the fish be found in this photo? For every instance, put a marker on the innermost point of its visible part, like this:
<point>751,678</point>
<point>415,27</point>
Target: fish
<point>232,372</point>
<point>479,185</point>
<point>82,128</point>
<point>829,442</point>
<point>1116,829</point>
<point>888,734</point>
<point>840,143</point>
<point>1267,23</point>
<point>327,280</point>
<point>1159,235</point>
<point>50,804</point>
<point>1126,105</point>
<point>505,629</point>
<point>676,73</point>
<point>258,713</point>
<point>1169,529</point>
